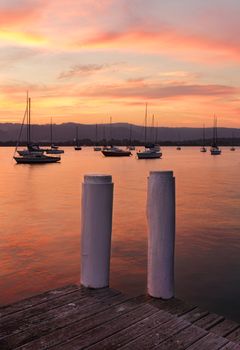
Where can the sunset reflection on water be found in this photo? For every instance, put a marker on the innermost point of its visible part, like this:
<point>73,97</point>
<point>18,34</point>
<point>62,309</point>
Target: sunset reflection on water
<point>40,220</point>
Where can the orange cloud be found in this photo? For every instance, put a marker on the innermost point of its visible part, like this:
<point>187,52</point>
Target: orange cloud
<point>165,40</point>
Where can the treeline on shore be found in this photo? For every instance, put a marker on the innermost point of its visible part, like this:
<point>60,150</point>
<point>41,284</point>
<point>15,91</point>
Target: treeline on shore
<point>125,142</point>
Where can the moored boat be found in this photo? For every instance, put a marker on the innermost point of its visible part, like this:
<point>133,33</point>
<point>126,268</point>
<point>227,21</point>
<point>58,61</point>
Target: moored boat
<point>152,151</point>
<point>33,154</point>
<point>149,153</point>
<point>36,159</point>
<point>215,150</point>
<point>115,152</point>
<point>54,149</point>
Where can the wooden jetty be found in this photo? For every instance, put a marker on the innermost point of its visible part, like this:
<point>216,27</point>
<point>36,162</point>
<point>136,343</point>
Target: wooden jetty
<point>74,317</point>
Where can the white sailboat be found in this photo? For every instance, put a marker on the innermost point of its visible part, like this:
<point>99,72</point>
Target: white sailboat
<point>54,149</point>
<point>151,151</point>
<point>215,150</point>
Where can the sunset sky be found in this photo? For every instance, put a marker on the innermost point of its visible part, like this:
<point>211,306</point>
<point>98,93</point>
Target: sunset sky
<point>84,60</point>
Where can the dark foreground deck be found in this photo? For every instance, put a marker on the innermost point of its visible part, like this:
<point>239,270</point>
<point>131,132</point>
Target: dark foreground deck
<point>72,318</point>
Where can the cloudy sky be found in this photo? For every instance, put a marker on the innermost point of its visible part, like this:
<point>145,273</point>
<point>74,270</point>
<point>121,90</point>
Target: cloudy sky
<point>87,60</point>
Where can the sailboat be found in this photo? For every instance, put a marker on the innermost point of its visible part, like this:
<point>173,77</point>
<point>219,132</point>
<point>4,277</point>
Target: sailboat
<point>114,151</point>
<point>203,148</point>
<point>151,151</point>
<point>130,147</point>
<point>77,146</point>
<point>215,150</point>
<point>33,154</point>
<point>96,148</point>
<point>54,149</point>
<point>31,148</point>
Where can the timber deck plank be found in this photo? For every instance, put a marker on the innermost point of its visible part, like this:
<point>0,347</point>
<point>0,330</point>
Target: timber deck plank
<point>74,318</point>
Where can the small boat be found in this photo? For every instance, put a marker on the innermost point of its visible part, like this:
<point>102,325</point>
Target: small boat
<point>178,148</point>
<point>54,149</point>
<point>203,149</point>
<point>36,159</point>
<point>130,147</point>
<point>152,151</point>
<point>149,153</point>
<point>31,149</point>
<point>97,148</point>
<point>215,150</point>
<point>77,147</point>
<point>232,149</point>
<point>115,152</point>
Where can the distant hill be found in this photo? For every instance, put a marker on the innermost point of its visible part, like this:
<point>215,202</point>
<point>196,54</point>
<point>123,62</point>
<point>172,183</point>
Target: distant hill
<point>64,133</point>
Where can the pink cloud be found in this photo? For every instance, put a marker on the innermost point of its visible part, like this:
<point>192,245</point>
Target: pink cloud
<point>167,40</point>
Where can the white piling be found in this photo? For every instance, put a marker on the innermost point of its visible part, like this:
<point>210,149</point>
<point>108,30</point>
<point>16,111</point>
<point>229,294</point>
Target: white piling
<point>161,234</point>
<point>96,230</point>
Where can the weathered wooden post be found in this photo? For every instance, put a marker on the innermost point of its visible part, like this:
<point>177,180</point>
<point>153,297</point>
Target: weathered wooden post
<point>96,230</point>
<point>161,234</point>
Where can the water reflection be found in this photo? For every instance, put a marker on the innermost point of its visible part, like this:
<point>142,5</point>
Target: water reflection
<point>40,220</point>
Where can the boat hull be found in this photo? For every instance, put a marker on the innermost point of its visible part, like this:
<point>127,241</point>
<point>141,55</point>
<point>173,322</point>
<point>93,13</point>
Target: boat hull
<point>215,152</point>
<point>37,160</point>
<point>54,151</point>
<point>29,153</point>
<point>110,153</point>
<point>153,155</point>
<point>77,148</point>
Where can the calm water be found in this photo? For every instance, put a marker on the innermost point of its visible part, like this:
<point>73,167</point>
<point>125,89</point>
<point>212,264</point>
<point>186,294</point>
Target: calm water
<point>39,224</point>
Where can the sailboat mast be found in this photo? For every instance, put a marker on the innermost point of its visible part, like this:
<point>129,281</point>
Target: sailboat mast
<point>216,135</point>
<point>96,134</point>
<point>110,130</point>
<point>29,120</point>
<point>152,129</point>
<point>51,132</point>
<point>203,135</point>
<point>77,135</point>
<point>145,129</point>
<point>156,133</point>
